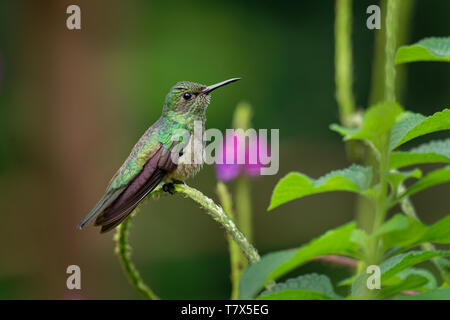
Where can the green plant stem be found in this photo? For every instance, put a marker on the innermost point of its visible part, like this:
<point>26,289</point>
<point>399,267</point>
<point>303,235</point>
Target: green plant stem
<point>377,90</point>
<point>378,72</point>
<point>244,206</point>
<point>242,120</point>
<point>242,116</point>
<point>374,254</point>
<point>219,215</point>
<point>343,61</point>
<point>236,267</point>
<point>123,249</point>
<point>216,212</point>
<point>391,46</point>
<point>374,251</point>
<point>244,211</point>
<point>381,207</point>
<point>343,65</point>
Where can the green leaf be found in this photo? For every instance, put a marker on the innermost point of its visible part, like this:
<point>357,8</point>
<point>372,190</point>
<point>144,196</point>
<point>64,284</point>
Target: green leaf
<point>297,185</point>
<point>411,125</point>
<point>299,294</point>
<point>411,282</point>
<point>274,265</point>
<point>432,179</point>
<point>360,237</point>
<point>401,231</point>
<point>408,279</point>
<point>396,264</point>
<point>431,152</point>
<point>378,121</point>
<point>258,274</point>
<point>428,49</point>
<point>347,281</point>
<point>438,232</point>
<point>307,287</point>
<point>443,263</point>
<point>396,177</point>
<point>407,232</point>
<point>400,277</point>
<point>438,294</point>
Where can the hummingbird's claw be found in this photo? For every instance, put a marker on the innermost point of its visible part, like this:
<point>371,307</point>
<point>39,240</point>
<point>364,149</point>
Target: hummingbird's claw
<point>169,187</point>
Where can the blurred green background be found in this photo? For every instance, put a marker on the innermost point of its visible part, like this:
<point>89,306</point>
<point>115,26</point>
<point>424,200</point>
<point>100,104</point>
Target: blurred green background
<point>73,103</point>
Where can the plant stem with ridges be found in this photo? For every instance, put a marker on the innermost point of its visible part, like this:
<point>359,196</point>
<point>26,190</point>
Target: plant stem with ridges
<point>216,212</point>
<point>343,61</point>
<point>123,249</point>
<point>236,267</point>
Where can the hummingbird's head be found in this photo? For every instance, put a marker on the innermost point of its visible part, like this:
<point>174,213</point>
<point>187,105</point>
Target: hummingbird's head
<point>191,98</point>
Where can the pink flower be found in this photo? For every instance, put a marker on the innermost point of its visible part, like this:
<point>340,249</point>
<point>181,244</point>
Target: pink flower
<point>233,146</point>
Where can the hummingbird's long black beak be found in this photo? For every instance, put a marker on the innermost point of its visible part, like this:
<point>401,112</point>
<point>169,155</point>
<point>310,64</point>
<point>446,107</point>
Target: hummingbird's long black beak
<point>212,87</point>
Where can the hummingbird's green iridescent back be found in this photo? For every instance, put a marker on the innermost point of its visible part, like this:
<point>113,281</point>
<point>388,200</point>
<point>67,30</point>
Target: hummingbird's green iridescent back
<point>150,160</point>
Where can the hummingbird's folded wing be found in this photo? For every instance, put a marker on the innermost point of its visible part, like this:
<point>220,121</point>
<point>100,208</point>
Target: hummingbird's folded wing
<point>148,179</point>
<point>119,201</point>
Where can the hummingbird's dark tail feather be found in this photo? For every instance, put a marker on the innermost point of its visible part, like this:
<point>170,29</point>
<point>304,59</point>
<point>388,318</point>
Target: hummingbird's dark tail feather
<point>111,226</point>
<point>148,179</point>
<point>104,202</point>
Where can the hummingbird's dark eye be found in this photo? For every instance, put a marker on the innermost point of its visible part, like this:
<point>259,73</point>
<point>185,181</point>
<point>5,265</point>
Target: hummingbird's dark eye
<point>187,96</point>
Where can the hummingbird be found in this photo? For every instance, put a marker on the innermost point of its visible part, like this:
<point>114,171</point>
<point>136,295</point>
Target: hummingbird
<point>151,161</point>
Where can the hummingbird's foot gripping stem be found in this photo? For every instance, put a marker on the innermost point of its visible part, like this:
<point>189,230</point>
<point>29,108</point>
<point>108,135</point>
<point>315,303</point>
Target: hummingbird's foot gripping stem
<point>169,187</point>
